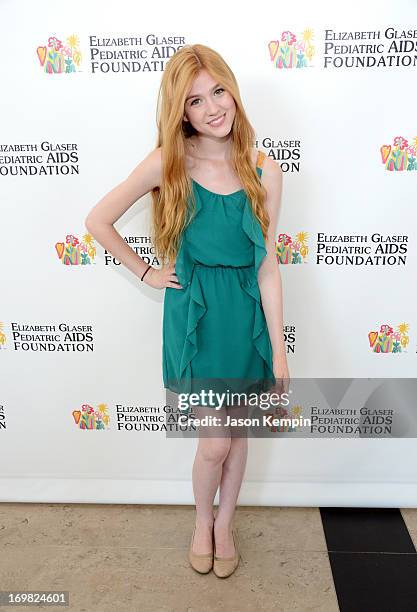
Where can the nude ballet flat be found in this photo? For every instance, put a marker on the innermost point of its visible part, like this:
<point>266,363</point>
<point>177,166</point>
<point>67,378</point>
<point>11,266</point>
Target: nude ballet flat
<point>201,563</point>
<point>225,566</point>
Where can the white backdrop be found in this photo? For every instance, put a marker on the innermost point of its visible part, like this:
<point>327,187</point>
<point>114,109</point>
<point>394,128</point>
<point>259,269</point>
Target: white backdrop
<point>82,132</point>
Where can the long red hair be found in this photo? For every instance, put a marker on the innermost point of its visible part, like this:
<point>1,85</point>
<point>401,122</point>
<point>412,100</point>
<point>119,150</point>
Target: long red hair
<point>169,201</point>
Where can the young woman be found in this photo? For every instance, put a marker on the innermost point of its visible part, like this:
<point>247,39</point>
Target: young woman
<point>215,203</point>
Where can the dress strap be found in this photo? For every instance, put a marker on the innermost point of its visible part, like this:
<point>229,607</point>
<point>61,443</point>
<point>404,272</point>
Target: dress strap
<point>260,159</point>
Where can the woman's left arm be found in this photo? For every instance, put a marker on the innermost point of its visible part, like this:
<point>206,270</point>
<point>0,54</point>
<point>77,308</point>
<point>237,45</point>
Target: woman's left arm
<point>269,277</point>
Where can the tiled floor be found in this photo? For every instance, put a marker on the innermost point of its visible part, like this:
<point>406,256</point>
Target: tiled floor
<point>124,558</point>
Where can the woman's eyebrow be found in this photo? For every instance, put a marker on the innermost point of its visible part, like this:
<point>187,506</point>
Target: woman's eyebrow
<point>196,95</point>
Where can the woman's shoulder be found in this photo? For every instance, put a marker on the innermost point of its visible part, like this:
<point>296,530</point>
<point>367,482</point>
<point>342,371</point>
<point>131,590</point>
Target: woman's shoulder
<point>258,157</point>
<point>255,153</point>
<point>156,157</point>
<point>154,163</point>
<point>270,168</point>
<point>146,175</point>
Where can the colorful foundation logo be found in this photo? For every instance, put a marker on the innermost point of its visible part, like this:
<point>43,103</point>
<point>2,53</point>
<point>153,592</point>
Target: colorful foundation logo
<point>289,252</point>
<point>2,336</point>
<point>72,252</point>
<point>290,52</point>
<point>88,418</point>
<point>400,156</point>
<point>388,341</point>
<point>57,57</point>
<point>282,413</point>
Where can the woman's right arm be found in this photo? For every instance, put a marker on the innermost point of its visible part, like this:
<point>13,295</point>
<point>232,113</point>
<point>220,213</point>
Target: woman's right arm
<point>100,220</point>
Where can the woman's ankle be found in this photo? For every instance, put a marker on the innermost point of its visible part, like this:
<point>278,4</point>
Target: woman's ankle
<point>223,524</point>
<point>202,522</point>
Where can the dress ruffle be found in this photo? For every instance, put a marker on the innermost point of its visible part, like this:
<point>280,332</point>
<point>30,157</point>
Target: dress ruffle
<point>184,264</point>
<point>185,271</point>
<point>260,336</point>
<point>189,280</point>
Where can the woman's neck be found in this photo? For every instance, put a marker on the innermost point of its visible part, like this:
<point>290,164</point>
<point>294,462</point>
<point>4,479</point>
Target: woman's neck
<point>203,147</point>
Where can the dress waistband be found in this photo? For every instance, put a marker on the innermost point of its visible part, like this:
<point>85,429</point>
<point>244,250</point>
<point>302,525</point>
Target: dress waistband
<point>199,264</point>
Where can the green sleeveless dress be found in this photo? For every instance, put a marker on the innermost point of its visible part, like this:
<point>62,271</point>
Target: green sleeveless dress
<point>215,334</point>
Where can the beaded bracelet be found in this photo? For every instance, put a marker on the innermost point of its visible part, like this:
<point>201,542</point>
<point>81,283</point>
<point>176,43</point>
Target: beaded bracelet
<point>145,272</point>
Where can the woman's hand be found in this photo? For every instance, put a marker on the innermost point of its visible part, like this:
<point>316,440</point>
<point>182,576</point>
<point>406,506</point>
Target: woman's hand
<point>161,278</point>
<point>281,372</point>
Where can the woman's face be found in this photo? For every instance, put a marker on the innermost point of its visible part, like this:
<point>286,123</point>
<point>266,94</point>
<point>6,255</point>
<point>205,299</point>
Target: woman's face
<point>207,101</point>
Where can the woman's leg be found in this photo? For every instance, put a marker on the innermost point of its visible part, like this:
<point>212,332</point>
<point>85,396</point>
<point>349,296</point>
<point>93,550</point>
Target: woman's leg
<point>213,447</point>
<point>230,484</point>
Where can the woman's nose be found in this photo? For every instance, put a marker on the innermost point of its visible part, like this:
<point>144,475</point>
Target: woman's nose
<point>212,109</point>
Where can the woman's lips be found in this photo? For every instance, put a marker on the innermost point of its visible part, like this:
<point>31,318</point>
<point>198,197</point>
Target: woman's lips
<point>218,122</point>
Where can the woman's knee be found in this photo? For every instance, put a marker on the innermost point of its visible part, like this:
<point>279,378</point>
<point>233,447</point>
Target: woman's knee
<point>214,450</point>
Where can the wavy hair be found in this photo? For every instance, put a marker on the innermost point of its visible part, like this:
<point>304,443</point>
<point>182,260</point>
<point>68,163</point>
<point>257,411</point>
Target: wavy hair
<point>170,211</point>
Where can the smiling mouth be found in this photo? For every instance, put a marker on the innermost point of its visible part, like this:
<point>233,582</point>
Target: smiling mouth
<point>216,119</point>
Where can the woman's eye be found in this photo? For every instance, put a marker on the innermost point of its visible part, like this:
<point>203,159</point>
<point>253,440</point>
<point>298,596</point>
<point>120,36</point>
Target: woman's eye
<point>196,99</point>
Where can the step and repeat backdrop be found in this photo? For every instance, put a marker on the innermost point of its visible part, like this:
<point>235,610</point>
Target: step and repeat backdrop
<point>331,93</point>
